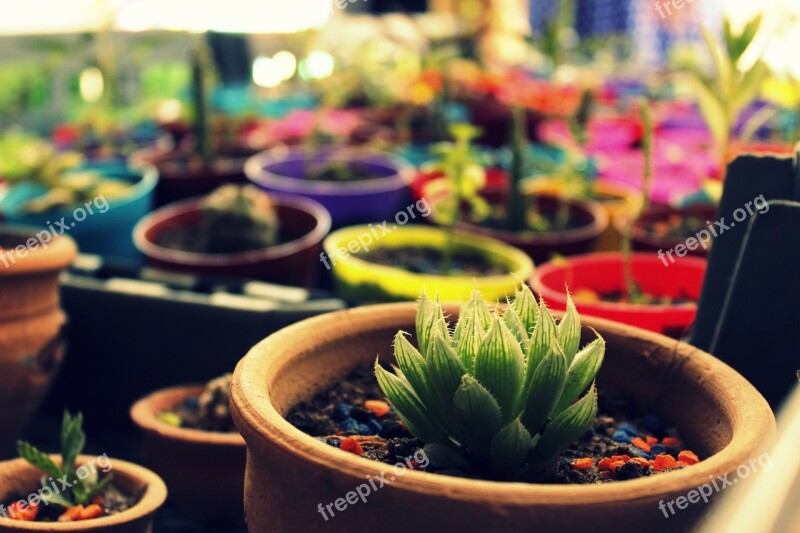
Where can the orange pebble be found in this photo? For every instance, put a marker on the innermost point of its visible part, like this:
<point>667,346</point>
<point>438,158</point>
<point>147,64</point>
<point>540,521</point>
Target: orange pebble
<point>378,407</point>
<point>72,514</point>
<point>351,445</point>
<point>688,457</point>
<point>93,511</point>
<point>22,513</point>
<point>670,441</point>
<point>641,444</point>
<point>664,461</point>
<point>98,499</point>
<point>641,461</point>
<point>651,440</point>
<point>616,464</point>
<point>604,464</point>
<point>624,458</point>
<point>584,463</point>
<point>586,295</point>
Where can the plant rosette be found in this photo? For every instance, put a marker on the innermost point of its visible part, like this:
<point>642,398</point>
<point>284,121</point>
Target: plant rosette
<point>293,261</point>
<point>102,225</point>
<point>203,469</point>
<point>371,187</point>
<point>358,278</point>
<point>593,277</point>
<point>18,477</point>
<point>663,227</point>
<point>32,341</point>
<point>291,475</point>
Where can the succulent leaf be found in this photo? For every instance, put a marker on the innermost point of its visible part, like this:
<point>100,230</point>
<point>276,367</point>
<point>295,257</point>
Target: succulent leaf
<point>541,340</point>
<point>517,327</point>
<point>477,409</point>
<point>510,448</point>
<point>525,305</point>
<point>566,428</point>
<point>569,331</point>
<point>581,372</point>
<point>446,369</point>
<point>546,387</point>
<point>500,366</point>
<point>442,456</point>
<point>408,407</point>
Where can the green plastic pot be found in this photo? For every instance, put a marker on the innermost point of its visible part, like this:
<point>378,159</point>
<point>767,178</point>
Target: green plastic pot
<point>359,280</point>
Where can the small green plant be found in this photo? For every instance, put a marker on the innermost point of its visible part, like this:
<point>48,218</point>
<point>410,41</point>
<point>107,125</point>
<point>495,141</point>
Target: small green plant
<point>239,218</point>
<point>496,397</point>
<point>461,165</point>
<point>723,96</point>
<point>76,491</point>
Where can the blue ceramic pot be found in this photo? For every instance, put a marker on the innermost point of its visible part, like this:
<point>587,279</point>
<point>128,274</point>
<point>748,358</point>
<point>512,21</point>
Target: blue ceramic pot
<point>99,227</point>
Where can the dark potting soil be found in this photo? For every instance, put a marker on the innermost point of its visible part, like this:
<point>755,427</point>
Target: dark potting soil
<point>676,227</point>
<point>339,414</point>
<point>339,172</point>
<point>189,238</point>
<point>420,260</point>
<point>208,411</point>
<point>538,221</point>
<point>112,501</point>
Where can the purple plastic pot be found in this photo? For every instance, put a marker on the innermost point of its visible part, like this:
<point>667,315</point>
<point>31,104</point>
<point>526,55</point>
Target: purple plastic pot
<point>379,198</point>
<point>291,263</point>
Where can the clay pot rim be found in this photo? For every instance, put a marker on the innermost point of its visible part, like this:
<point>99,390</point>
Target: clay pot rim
<point>256,416</point>
<point>143,413</point>
<point>59,254</point>
<point>153,498</point>
<point>256,172</point>
<point>592,230</point>
<point>556,295</point>
<point>160,253</point>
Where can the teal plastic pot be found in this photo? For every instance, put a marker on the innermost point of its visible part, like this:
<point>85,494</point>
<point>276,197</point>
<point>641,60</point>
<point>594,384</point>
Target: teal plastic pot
<point>101,227</point>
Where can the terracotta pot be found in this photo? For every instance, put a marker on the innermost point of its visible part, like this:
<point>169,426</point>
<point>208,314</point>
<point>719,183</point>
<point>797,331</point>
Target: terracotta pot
<point>603,273</point>
<point>542,246</point>
<point>17,478</point>
<point>31,326</point>
<point>203,469</point>
<point>292,263</point>
<point>646,241</point>
<point>289,474</point>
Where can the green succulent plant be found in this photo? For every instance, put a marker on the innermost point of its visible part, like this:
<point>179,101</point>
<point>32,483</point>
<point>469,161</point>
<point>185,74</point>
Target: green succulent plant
<point>496,397</point>
<point>239,218</point>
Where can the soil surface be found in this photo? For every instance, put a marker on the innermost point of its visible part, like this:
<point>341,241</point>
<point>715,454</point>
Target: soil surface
<point>209,411</point>
<point>676,227</point>
<point>339,172</point>
<point>189,238</point>
<point>429,261</point>
<point>112,501</point>
<point>538,221</point>
<point>617,443</point>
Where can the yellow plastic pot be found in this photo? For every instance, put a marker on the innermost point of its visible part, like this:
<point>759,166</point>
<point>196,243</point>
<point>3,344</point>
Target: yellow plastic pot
<point>362,281</point>
<point>618,201</point>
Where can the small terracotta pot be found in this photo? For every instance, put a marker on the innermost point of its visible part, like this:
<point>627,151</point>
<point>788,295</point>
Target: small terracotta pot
<point>542,246</point>
<point>32,344</point>
<point>17,478</point>
<point>290,474</point>
<point>292,263</point>
<point>203,469</point>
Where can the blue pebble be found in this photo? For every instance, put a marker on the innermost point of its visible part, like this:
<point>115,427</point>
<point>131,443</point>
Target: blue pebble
<point>364,429</point>
<point>621,436</point>
<point>653,423</point>
<point>375,426</point>
<point>337,443</point>
<point>348,424</point>
<point>641,453</point>
<point>191,403</point>
<point>589,433</point>
<point>341,411</point>
<point>630,429</point>
<point>657,449</point>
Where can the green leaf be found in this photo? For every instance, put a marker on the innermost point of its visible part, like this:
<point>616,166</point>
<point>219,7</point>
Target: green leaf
<point>435,321</point>
<point>749,32</point>
<point>408,407</point>
<point>569,331</point>
<point>721,60</point>
<point>565,429</point>
<point>525,306</point>
<point>510,448</point>
<point>99,487</point>
<point>582,372</point>
<point>470,342</point>
<point>541,340</point>
<point>500,366</point>
<point>442,456</point>
<point>748,87</point>
<point>38,459</point>
<point>731,41</point>
<point>477,409</point>
<point>517,328</point>
<point>713,112</point>
<point>417,374</point>
<point>475,311</point>
<point>445,368</point>
<point>73,440</point>
<point>424,311</point>
<point>546,388</point>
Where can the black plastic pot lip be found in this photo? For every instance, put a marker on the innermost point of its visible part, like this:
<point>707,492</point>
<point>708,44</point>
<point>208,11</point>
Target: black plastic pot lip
<point>154,251</point>
<point>255,170</point>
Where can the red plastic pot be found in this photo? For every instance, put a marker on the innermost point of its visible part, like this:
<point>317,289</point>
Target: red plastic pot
<point>291,263</point>
<point>604,274</point>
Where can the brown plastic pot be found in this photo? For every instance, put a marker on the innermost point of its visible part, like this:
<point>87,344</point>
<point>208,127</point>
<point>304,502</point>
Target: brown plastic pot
<point>32,343</point>
<point>542,246</point>
<point>289,474</point>
<point>17,478</point>
<point>203,469</point>
<point>647,241</point>
<point>291,263</point>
